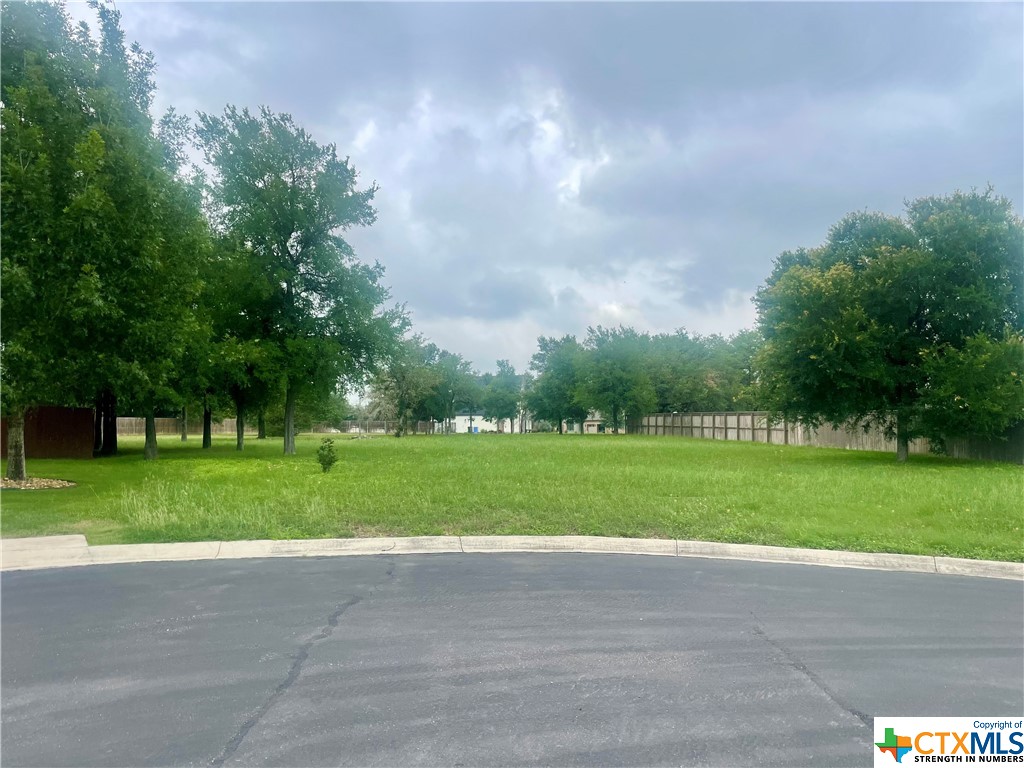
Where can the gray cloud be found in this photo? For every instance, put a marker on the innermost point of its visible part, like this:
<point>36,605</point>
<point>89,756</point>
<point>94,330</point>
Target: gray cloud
<point>547,166</point>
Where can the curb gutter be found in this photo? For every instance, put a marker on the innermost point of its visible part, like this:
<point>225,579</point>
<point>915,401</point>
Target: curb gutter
<point>63,551</point>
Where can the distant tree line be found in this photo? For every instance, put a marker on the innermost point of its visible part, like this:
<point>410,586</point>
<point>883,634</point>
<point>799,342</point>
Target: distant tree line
<point>624,374</point>
<point>422,383</point>
<point>619,373</point>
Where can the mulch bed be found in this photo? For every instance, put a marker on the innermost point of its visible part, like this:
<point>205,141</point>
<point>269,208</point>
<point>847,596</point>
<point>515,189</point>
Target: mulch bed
<point>35,484</point>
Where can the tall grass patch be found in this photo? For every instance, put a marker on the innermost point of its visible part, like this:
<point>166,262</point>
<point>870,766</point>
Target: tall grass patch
<point>605,485</point>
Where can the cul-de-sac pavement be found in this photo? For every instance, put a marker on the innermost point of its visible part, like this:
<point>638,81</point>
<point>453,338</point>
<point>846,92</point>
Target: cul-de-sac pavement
<point>576,659</point>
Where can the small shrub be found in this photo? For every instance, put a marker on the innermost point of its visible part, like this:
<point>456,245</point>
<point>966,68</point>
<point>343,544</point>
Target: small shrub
<point>326,455</point>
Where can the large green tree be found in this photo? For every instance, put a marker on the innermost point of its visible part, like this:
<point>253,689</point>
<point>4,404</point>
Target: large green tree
<point>913,325</point>
<point>45,126</point>
<point>140,229</point>
<point>614,377</point>
<point>557,364</point>
<point>244,360</point>
<point>704,373</point>
<point>455,385</point>
<point>405,382</point>
<point>287,200</point>
<point>101,241</point>
<point>501,395</point>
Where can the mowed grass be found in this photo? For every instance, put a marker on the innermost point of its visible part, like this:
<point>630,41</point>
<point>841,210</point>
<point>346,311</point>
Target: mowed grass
<point>600,485</point>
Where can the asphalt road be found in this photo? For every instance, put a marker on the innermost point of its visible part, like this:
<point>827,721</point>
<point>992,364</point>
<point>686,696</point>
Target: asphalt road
<point>492,660</point>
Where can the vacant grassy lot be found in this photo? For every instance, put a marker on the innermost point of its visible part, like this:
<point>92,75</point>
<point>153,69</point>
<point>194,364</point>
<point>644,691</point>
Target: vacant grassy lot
<point>533,484</point>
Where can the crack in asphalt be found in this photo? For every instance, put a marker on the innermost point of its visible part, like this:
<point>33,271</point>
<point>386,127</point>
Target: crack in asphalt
<point>803,669</point>
<point>296,669</point>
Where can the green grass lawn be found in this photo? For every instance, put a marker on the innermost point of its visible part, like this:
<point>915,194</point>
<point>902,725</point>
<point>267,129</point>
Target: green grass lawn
<point>601,485</point>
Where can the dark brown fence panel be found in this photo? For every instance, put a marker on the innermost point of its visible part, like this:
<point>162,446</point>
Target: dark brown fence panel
<point>1010,449</point>
<point>55,433</point>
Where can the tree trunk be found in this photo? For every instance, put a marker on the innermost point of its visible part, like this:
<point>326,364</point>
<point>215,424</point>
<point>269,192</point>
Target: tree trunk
<point>109,447</point>
<point>239,427</point>
<point>16,444</point>
<point>902,439</point>
<point>560,426</point>
<point>97,427</point>
<point>289,420</point>
<point>261,426</point>
<point>150,451</point>
<point>184,424</point>
<point>207,424</point>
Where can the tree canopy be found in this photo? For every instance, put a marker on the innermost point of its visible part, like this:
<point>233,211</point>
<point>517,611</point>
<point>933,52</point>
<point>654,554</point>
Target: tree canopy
<point>614,377</point>
<point>101,241</point>
<point>913,325</point>
<point>502,395</point>
<point>409,379</point>
<point>285,200</point>
<point>557,365</point>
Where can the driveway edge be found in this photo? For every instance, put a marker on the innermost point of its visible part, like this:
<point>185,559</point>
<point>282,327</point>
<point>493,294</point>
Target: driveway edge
<point>66,551</point>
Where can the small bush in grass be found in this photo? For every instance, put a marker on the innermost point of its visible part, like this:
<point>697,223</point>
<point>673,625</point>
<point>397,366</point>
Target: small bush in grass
<point>326,455</point>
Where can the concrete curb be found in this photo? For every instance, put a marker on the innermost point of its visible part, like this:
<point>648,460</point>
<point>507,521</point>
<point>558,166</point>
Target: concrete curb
<point>64,551</point>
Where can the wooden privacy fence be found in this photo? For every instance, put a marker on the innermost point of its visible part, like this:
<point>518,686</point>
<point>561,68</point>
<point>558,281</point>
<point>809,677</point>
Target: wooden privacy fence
<point>753,426</point>
<point>136,425</point>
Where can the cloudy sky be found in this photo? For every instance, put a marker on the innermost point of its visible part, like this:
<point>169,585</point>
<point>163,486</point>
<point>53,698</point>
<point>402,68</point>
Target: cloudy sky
<point>548,166</point>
